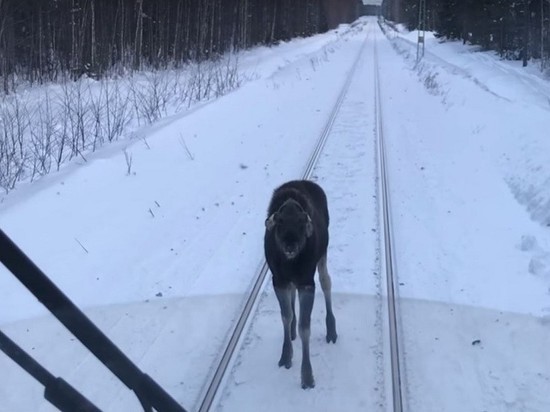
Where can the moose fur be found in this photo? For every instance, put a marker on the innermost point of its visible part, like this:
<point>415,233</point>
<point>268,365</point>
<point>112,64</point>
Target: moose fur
<point>295,243</point>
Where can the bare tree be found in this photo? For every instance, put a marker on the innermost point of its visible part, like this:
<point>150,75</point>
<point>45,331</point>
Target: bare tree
<point>139,34</point>
<point>73,40</point>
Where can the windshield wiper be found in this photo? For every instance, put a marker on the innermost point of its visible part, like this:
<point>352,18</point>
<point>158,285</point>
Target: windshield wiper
<point>58,392</point>
<point>150,394</point>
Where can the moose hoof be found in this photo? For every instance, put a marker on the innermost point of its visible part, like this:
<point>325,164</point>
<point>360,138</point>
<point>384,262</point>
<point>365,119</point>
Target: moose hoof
<point>308,382</point>
<point>331,337</point>
<point>287,363</point>
<point>331,329</point>
<point>307,376</point>
<point>286,356</point>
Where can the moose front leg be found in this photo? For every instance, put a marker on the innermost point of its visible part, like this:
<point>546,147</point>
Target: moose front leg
<point>326,285</point>
<point>284,296</point>
<point>306,295</point>
<point>293,301</point>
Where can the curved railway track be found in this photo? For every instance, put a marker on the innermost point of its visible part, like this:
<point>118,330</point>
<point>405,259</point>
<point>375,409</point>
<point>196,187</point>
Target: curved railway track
<point>216,382</point>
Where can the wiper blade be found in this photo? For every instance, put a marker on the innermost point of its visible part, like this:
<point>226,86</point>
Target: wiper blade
<point>57,391</point>
<point>150,394</point>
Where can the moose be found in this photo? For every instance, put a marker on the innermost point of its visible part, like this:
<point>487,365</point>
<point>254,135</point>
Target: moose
<point>295,244</point>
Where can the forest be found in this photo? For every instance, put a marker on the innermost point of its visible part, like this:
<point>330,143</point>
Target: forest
<point>107,67</point>
<point>42,40</point>
<point>49,40</point>
<point>517,30</point>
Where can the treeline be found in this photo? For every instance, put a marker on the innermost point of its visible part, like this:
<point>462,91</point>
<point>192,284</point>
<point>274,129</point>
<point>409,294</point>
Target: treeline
<point>516,29</point>
<point>42,40</point>
<point>124,63</point>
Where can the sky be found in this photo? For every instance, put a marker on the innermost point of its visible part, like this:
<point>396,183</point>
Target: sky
<point>161,258</point>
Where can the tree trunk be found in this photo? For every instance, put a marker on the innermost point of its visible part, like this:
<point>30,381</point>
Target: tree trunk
<point>93,40</point>
<point>526,32</point>
<point>139,35</point>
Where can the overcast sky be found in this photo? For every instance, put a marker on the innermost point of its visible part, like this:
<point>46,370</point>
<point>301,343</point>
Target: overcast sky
<point>377,2</point>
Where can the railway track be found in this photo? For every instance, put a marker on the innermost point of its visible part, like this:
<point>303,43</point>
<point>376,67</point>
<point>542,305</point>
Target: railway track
<point>388,262</point>
<point>216,382</point>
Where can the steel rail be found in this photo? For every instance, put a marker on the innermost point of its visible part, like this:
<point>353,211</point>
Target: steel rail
<point>397,397</point>
<point>252,301</point>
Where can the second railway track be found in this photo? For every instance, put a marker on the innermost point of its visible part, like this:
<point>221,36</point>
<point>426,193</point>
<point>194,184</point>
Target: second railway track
<point>387,236</point>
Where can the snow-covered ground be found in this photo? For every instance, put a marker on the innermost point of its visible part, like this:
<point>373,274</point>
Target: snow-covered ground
<point>161,259</point>
<point>465,235</point>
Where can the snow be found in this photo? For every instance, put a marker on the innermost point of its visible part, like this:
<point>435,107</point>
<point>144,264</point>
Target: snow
<point>464,236</point>
<point>161,259</point>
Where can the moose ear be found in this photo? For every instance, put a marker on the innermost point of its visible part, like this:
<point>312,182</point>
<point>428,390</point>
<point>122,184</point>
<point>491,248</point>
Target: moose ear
<point>309,227</point>
<point>270,222</point>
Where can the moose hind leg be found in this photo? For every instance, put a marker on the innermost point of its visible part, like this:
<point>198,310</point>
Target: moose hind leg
<point>284,297</point>
<point>326,285</point>
<point>306,295</point>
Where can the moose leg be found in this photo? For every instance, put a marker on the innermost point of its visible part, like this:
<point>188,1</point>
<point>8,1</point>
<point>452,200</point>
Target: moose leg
<point>326,285</point>
<point>306,295</point>
<point>285,302</point>
<point>293,323</point>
